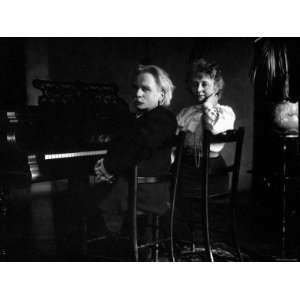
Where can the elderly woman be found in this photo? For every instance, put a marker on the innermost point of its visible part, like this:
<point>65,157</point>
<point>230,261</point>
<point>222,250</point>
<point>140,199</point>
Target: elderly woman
<point>145,140</point>
<point>206,84</point>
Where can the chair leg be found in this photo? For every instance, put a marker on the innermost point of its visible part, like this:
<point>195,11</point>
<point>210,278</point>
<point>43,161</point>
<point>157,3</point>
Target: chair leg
<point>172,254</point>
<point>208,247</point>
<point>156,237</point>
<point>234,229</point>
<point>171,231</point>
<point>191,226</point>
<point>193,241</point>
<point>134,238</point>
<point>133,188</point>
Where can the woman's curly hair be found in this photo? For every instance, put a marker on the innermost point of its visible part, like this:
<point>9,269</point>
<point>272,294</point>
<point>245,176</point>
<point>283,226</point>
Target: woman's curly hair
<point>212,69</point>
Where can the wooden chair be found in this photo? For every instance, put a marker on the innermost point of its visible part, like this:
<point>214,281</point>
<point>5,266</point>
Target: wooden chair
<point>171,177</point>
<point>134,214</point>
<point>230,136</point>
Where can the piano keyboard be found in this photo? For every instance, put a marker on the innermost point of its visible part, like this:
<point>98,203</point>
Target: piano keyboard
<point>74,154</point>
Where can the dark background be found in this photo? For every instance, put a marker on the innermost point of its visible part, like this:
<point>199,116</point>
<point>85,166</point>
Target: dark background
<point>112,60</point>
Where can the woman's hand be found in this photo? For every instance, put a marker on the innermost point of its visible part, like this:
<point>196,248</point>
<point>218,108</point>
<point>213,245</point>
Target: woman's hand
<point>210,102</point>
<point>210,117</point>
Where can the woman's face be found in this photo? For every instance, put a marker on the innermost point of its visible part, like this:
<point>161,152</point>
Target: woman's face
<point>148,93</point>
<point>203,86</point>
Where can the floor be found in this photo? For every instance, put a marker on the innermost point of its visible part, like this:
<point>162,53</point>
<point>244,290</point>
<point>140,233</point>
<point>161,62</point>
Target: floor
<point>32,233</point>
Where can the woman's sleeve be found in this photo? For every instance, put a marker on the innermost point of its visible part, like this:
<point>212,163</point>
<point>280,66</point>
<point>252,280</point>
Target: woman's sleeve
<point>140,142</point>
<point>224,120</point>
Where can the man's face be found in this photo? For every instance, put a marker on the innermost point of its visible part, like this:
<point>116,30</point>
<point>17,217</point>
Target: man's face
<point>147,92</point>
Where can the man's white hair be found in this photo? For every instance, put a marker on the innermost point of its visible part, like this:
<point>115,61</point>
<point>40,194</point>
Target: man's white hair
<point>162,78</point>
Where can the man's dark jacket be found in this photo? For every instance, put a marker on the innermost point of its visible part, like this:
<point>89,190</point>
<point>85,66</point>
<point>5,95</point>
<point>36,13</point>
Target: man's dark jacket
<point>147,141</point>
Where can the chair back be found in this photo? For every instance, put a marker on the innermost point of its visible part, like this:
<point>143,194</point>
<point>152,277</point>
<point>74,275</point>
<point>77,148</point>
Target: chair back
<point>172,176</point>
<point>234,136</point>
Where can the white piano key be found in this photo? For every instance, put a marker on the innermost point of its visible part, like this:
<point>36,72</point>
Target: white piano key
<point>74,154</point>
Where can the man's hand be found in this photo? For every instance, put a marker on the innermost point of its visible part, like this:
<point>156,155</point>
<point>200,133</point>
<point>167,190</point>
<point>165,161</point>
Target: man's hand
<point>101,173</point>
